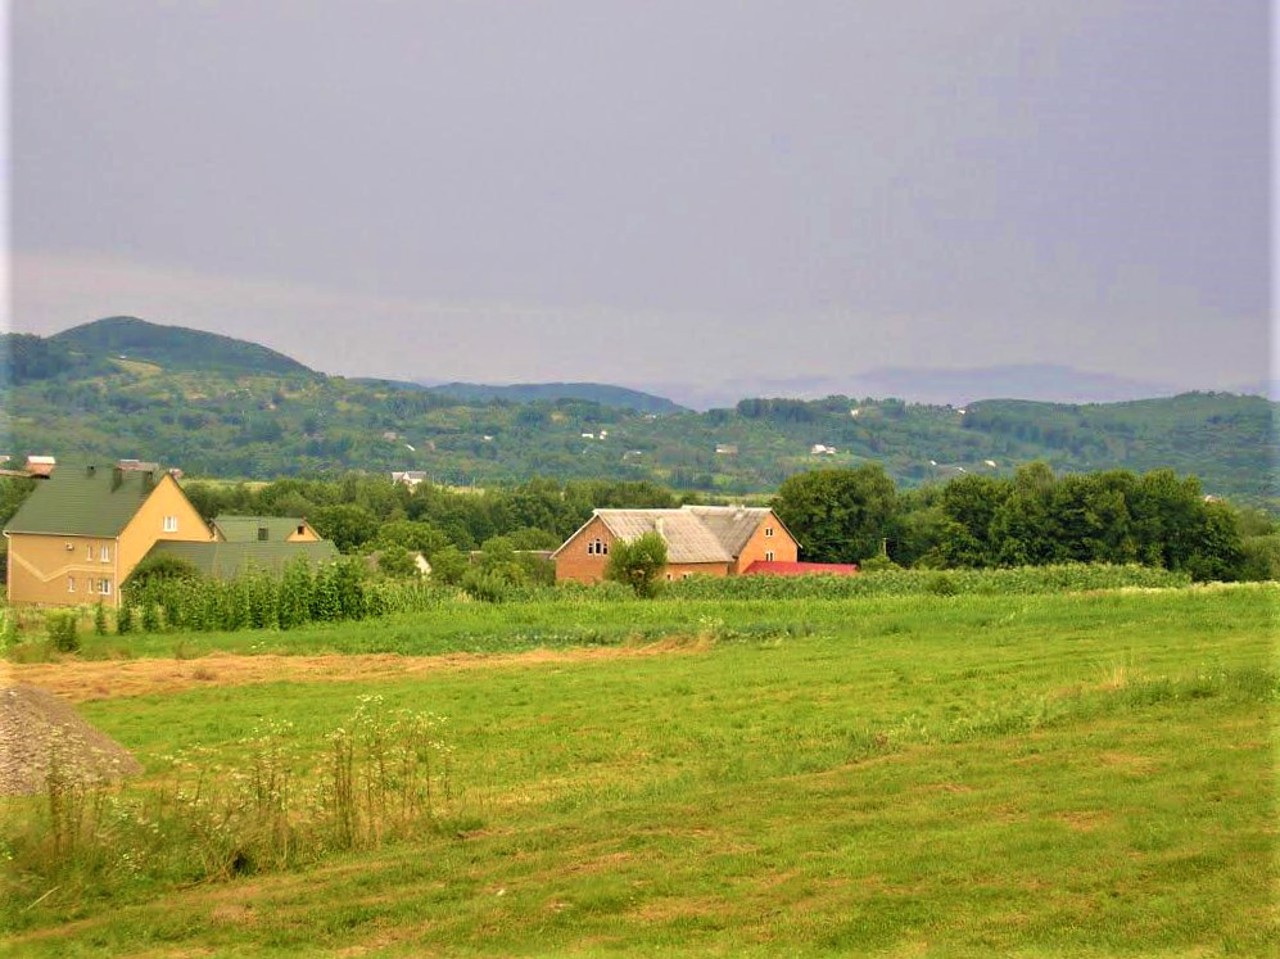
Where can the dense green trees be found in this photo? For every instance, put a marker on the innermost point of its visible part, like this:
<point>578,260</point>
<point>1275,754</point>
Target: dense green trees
<point>838,515</point>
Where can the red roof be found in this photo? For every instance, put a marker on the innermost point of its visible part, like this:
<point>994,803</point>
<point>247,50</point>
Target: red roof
<point>762,568</point>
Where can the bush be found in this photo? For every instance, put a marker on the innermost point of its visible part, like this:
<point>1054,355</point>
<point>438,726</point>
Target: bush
<point>638,563</point>
<point>62,632</point>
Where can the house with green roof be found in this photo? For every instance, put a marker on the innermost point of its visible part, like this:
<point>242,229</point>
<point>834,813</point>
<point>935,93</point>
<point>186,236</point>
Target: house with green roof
<point>263,529</point>
<point>82,531</point>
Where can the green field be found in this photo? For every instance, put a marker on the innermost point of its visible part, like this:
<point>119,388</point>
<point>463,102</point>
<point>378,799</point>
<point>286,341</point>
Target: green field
<point>1088,774</point>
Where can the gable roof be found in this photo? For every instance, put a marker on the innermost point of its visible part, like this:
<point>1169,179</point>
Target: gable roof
<point>85,501</point>
<point>687,537</point>
<point>244,529</point>
<point>732,526</point>
<point>229,560</point>
<point>693,534</point>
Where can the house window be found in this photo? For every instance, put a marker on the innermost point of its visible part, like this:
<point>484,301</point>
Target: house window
<point>768,556</point>
<point>597,547</point>
<point>104,587</point>
<point>768,531</point>
<point>105,554</point>
<point>170,524</point>
<point>71,584</point>
<point>88,552</point>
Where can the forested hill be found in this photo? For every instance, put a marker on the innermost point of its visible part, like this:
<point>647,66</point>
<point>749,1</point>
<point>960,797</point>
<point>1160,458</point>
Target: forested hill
<point>227,415</point>
<point>601,393</point>
<point>173,347</point>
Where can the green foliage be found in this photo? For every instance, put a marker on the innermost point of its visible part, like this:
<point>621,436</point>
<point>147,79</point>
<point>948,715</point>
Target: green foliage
<point>448,566</point>
<point>1021,581</point>
<point>349,525</point>
<point>638,563</point>
<point>62,630</point>
<point>100,619</point>
<point>838,515</point>
<point>161,567</point>
<point>220,410</point>
<point>124,618</point>
<point>396,561</point>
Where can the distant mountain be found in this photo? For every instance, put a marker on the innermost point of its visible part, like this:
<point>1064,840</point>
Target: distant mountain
<point>617,397</point>
<point>174,347</point>
<point>1048,383</point>
<point>220,407</point>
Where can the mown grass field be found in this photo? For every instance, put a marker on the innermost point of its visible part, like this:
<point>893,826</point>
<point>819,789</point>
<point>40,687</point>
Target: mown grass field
<point>1085,774</point>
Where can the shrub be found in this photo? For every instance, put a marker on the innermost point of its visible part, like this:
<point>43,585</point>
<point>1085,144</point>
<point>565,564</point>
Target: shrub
<point>62,632</point>
<point>638,563</point>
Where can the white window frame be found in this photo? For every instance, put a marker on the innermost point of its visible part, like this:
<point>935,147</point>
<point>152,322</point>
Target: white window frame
<point>768,555</point>
<point>104,554</point>
<point>71,584</point>
<point>768,531</point>
<point>169,524</point>
<point>104,587</point>
<point>88,552</point>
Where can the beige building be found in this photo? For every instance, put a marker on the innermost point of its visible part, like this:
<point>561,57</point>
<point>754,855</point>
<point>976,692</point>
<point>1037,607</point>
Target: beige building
<point>83,530</point>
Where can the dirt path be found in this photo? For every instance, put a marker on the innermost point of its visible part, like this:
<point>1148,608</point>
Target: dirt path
<point>81,681</point>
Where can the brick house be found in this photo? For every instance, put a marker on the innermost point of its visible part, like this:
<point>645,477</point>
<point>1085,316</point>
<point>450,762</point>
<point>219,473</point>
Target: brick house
<point>705,540</point>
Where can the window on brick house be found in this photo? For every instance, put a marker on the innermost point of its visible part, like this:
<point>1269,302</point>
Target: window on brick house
<point>105,554</point>
<point>71,584</point>
<point>597,547</point>
<point>104,587</point>
<point>768,556</point>
<point>768,531</point>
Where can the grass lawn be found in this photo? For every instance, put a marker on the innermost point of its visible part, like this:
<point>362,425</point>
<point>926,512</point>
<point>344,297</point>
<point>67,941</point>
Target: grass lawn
<point>1048,775</point>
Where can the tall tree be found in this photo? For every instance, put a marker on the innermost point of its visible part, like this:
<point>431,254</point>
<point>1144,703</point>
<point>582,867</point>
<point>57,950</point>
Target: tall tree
<point>838,515</point>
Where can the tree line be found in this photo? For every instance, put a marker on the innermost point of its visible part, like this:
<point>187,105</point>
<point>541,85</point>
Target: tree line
<point>1033,518</point>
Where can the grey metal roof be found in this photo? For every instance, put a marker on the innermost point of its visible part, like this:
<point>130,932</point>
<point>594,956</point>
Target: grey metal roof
<point>688,538</point>
<point>732,526</point>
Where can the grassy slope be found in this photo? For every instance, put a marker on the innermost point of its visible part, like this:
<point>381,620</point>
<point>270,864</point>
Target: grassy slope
<point>1085,775</point>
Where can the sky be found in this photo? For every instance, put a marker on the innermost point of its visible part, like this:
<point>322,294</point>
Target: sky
<point>719,196</point>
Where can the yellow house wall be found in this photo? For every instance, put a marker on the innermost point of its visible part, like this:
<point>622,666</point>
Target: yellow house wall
<point>147,526</point>
<point>40,566</point>
<point>308,535</point>
<point>41,563</point>
<point>783,545</point>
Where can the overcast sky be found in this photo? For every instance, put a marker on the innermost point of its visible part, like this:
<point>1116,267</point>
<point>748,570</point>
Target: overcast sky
<point>655,192</point>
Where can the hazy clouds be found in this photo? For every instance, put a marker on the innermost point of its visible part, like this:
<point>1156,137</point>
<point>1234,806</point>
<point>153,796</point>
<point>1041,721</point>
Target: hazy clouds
<point>655,192</point>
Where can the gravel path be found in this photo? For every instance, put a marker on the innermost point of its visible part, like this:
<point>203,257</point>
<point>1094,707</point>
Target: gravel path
<point>38,729</point>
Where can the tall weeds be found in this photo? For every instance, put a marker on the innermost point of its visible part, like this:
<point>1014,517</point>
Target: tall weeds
<point>381,776</point>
